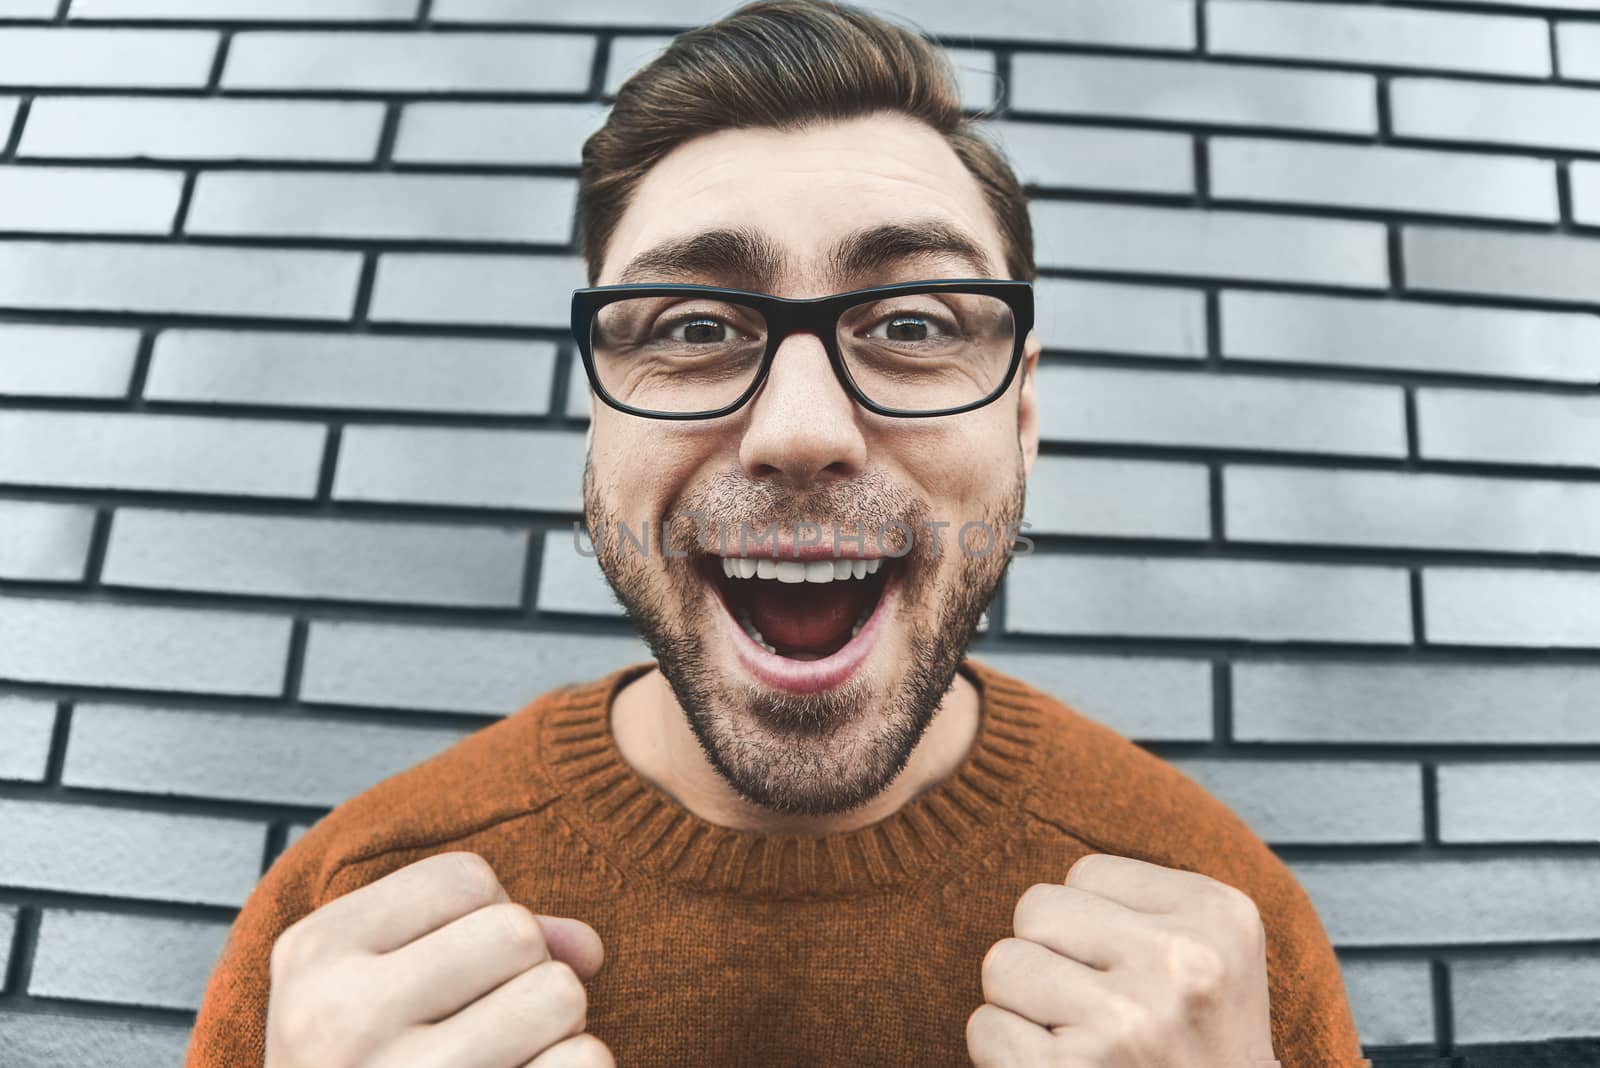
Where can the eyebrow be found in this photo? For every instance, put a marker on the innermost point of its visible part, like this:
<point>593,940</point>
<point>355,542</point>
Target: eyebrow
<point>747,257</point>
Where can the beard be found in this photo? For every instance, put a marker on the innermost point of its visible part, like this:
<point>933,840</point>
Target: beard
<point>818,753</point>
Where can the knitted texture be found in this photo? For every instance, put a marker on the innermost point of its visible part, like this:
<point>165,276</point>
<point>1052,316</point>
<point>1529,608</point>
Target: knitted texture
<point>730,947</point>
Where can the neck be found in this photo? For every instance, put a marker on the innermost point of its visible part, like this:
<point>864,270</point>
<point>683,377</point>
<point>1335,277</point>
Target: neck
<point>653,734</point>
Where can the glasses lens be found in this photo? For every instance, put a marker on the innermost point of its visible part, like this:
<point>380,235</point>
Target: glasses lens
<point>677,354</point>
<point>926,352</point>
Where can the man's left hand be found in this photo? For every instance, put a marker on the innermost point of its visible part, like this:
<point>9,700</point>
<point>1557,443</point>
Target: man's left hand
<point>1126,965</point>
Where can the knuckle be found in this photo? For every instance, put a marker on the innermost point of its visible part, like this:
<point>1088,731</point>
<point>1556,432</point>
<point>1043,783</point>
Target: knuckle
<point>470,876</point>
<point>1198,969</point>
<point>316,1021</point>
<point>556,993</point>
<point>587,1051</point>
<point>1033,908</point>
<point>999,962</point>
<point>520,929</point>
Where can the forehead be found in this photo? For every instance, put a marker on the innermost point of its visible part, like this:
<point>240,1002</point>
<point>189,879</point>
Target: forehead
<point>807,211</point>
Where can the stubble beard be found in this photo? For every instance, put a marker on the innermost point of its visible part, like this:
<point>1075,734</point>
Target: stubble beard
<point>805,754</point>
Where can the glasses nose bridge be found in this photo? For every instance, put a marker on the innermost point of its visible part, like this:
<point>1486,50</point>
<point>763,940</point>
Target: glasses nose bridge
<point>818,317</point>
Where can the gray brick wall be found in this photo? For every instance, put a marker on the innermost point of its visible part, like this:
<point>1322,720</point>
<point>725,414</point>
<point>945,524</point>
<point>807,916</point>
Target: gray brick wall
<point>291,436</point>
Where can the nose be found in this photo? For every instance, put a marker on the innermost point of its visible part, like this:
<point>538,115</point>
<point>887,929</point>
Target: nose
<point>802,427</point>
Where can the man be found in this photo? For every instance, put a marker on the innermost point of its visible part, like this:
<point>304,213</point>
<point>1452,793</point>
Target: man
<point>813,832</point>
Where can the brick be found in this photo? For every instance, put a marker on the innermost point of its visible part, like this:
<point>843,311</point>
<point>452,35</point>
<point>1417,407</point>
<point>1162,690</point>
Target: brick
<point>977,77</point>
<point>124,960</point>
<point>525,134</point>
<point>1549,5</point>
<point>47,1040</point>
<point>363,371</point>
<point>147,127</point>
<point>627,54</point>
<point>1519,801</point>
<point>1075,315</point>
<point>482,290</point>
<point>572,582</point>
<point>81,58</point>
<point>1403,335</point>
<point>1585,179</point>
<point>171,453</point>
<point>1144,698</point>
<point>286,760</point>
<point>1206,410</point>
<point>469,468</point>
<point>1578,45</point>
<point>1524,999</point>
<point>253,10</point>
<point>44,542</point>
<point>487,672</point>
<point>1503,427</point>
<point>85,201</point>
<point>1219,599</point>
<point>1384,179</point>
<point>1533,115</point>
<point>346,560</point>
<point>1511,606</point>
<point>1541,266</point>
<point>27,727</point>
<point>974,69</point>
<point>420,207</point>
<point>618,13</point>
<point>1392,1001</point>
<point>1391,508</point>
<point>93,849</point>
<point>178,279</point>
<point>1471,902</point>
<point>8,929</point>
<point>409,62</point>
<point>1321,802</point>
<point>1346,33</point>
<point>1149,24</point>
<point>1188,92</point>
<point>1275,248</point>
<point>578,391</point>
<point>1051,156</point>
<point>1119,498</point>
<point>66,361</point>
<point>138,647</point>
<point>1415,704</point>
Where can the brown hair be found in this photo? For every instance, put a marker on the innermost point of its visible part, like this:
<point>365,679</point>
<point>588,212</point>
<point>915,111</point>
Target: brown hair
<point>786,64</point>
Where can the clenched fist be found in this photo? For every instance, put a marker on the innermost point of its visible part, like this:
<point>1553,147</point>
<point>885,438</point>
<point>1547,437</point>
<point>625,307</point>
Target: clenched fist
<point>1126,965</point>
<point>433,966</point>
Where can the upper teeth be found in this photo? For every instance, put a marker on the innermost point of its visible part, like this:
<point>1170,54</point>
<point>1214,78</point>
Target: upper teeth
<point>795,571</point>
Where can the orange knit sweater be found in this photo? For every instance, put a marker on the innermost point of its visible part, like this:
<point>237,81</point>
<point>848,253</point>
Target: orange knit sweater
<point>728,947</point>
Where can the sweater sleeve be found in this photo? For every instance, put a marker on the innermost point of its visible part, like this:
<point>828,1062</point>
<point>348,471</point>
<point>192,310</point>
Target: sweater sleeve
<point>1312,1026</point>
<point>230,1031</point>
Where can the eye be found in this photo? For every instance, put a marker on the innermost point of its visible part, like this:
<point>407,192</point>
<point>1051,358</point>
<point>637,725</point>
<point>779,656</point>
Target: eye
<point>907,327</point>
<point>700,330</point>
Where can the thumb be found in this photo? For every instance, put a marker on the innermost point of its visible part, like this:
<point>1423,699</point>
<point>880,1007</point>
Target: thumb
<point>574,943</point>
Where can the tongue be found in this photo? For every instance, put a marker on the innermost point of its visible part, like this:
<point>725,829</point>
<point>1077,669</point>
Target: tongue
<point>807,616</point>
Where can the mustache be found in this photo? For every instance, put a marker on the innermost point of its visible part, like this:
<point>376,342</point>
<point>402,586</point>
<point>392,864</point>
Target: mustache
<point>731,502</point>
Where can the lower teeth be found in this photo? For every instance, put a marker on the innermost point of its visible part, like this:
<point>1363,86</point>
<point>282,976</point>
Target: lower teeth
<point>755,635</point>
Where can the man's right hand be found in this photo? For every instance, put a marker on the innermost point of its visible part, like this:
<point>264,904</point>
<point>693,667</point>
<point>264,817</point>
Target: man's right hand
<point>432,966</point>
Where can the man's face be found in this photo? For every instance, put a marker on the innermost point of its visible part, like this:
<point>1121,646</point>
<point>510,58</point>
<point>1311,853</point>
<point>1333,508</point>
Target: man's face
<point>827,717</point>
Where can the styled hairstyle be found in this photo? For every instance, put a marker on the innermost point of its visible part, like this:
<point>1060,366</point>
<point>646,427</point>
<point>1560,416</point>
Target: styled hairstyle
<point>786,64</point>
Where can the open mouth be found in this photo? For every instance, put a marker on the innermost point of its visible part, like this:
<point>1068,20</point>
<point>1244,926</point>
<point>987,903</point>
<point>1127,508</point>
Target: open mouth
<point>800,610</point>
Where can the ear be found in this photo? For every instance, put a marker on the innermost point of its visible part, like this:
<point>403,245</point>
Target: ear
<point>1028,403</point>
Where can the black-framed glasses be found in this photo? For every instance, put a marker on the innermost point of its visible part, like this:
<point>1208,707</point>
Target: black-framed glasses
<point>937,347</point>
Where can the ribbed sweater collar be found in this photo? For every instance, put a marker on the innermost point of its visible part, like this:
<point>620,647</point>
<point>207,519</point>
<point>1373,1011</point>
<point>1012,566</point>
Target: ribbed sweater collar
<point>642,827</point>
